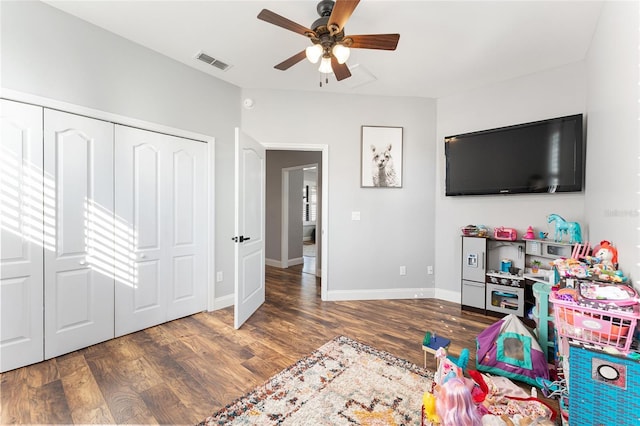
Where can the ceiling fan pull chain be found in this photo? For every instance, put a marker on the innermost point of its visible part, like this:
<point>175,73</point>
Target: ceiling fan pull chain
<point>326,79</point>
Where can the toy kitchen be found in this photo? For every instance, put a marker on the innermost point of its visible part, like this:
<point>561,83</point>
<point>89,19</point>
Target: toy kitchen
<point>493,273</point>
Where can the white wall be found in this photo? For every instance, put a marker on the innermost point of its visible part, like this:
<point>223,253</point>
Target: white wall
<point>612,199</point>
<point>51,54</point>
<point>396,226</point>
<point>554,93</point>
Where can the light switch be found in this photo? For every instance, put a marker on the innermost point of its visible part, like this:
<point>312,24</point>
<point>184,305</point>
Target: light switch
<point>355,215</point>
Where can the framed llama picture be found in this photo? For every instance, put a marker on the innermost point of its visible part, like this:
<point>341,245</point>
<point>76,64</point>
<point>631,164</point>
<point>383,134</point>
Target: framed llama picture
<point>381,157</point>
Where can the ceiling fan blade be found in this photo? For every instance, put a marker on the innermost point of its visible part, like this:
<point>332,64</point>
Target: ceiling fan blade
<point>374,41</point>
<point>341,12</point>
<point>288,63</point>
<point>275,19</point>
<point>341,71</point>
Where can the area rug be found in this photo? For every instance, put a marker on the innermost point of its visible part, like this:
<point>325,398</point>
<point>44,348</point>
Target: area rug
<point>344,382</point>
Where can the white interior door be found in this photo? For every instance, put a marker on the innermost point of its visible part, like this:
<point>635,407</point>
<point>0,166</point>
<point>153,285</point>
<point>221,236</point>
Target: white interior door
<point>79,270</point>
<point>21,247</point>
<point>189,226</point>
<point>249,227</point>
<point>140,194</point>
<point>161,212</point>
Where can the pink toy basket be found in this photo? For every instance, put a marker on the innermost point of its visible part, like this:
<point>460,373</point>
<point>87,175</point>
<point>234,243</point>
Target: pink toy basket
<point>602,328</point>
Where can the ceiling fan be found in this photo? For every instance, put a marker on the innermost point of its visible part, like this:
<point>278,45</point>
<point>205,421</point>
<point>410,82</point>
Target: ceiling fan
<point>330,44</point>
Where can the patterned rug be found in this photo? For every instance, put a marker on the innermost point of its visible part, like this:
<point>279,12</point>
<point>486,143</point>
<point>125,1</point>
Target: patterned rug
<point>344,382</point>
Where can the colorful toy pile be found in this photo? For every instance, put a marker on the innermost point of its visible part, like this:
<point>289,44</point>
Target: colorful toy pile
<point>601,265</point>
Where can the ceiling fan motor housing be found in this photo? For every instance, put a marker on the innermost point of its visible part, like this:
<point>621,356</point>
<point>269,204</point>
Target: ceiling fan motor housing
<point>325,7</point>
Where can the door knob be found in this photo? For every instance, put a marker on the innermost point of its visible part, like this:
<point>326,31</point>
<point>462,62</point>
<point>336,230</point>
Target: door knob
<point>241,238</point>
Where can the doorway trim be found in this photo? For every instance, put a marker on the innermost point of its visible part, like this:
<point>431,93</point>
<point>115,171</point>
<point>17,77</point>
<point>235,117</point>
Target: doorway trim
<point>324,233</point>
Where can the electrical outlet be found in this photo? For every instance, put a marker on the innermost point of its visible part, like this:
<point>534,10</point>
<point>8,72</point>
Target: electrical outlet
<point>403,270</point>
<point>430,270</point>
<point>219,276</point>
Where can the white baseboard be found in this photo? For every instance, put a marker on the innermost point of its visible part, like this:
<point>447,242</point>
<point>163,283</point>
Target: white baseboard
<point>448,295</point>
<point>273,262</point>
<point>393,293</point>
<point>279,264</point>
<point>223,302</point>
<point>296,261</point>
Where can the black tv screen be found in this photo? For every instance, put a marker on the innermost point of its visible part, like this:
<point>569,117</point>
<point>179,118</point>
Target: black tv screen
<point>542,156</point>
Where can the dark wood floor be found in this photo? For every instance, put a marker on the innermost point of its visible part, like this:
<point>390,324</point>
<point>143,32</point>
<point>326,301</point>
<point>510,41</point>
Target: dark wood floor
<point>182,371</point>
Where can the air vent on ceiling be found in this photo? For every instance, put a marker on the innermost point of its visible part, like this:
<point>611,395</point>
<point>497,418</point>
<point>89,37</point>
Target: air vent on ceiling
<point>212,61</point>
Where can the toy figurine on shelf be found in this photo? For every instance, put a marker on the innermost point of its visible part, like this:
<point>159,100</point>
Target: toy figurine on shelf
<point>564,227</point>
<point>530,235</point>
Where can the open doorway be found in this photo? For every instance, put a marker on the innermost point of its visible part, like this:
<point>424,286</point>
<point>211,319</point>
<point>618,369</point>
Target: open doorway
<point>291,208</point>
<point>300,211</point>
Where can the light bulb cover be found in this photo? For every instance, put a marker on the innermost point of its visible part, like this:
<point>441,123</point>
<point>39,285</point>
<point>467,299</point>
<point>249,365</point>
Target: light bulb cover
<point>341,52</point>
<point>313,53</point>
<point>325,65</point>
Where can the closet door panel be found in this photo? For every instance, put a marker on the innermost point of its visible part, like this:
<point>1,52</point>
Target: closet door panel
<point>141,207</point>
<point>148,298</point>
<point>147,294</point>
<point>79,269</point>
<point>161,199</point>
<point>188,248</point>
<point>22,238</point>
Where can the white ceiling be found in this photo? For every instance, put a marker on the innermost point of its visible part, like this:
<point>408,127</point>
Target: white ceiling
<point>445,47</point>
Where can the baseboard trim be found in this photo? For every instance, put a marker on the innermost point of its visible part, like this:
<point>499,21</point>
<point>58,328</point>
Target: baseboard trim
<point>273,262</point>
<point>393,293</point>
<point>223,302</point>
<point>296,261</point>
<point>279,264</point>
<point>448,295</point>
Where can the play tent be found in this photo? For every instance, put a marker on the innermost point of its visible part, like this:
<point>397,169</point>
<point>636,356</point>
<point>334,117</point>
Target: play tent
<point>507,348</point>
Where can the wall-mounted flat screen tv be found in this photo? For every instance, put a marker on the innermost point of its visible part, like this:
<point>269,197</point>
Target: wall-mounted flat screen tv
<point>538,157</point>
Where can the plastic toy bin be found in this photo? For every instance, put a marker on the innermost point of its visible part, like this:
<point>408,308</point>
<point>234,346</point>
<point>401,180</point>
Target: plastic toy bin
<point>604,389</point>
<point>597,326</point>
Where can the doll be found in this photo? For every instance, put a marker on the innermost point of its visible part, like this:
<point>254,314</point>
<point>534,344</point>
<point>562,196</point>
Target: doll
<point>607,254</point>
<point>455,406</point>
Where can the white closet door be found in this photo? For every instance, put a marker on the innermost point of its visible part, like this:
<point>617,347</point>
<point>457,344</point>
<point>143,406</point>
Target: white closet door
<point>21,247</point>
<point>79,269</point>
<point>161,207</point>
<point>189,230</point>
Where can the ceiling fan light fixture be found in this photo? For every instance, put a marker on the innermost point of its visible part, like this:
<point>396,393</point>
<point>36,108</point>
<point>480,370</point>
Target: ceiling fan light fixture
<point>325,65</point>
<point>314,53</point>
<point>341,52</point>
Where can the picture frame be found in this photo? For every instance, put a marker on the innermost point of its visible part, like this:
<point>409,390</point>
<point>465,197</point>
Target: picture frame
<point>381,157</point>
